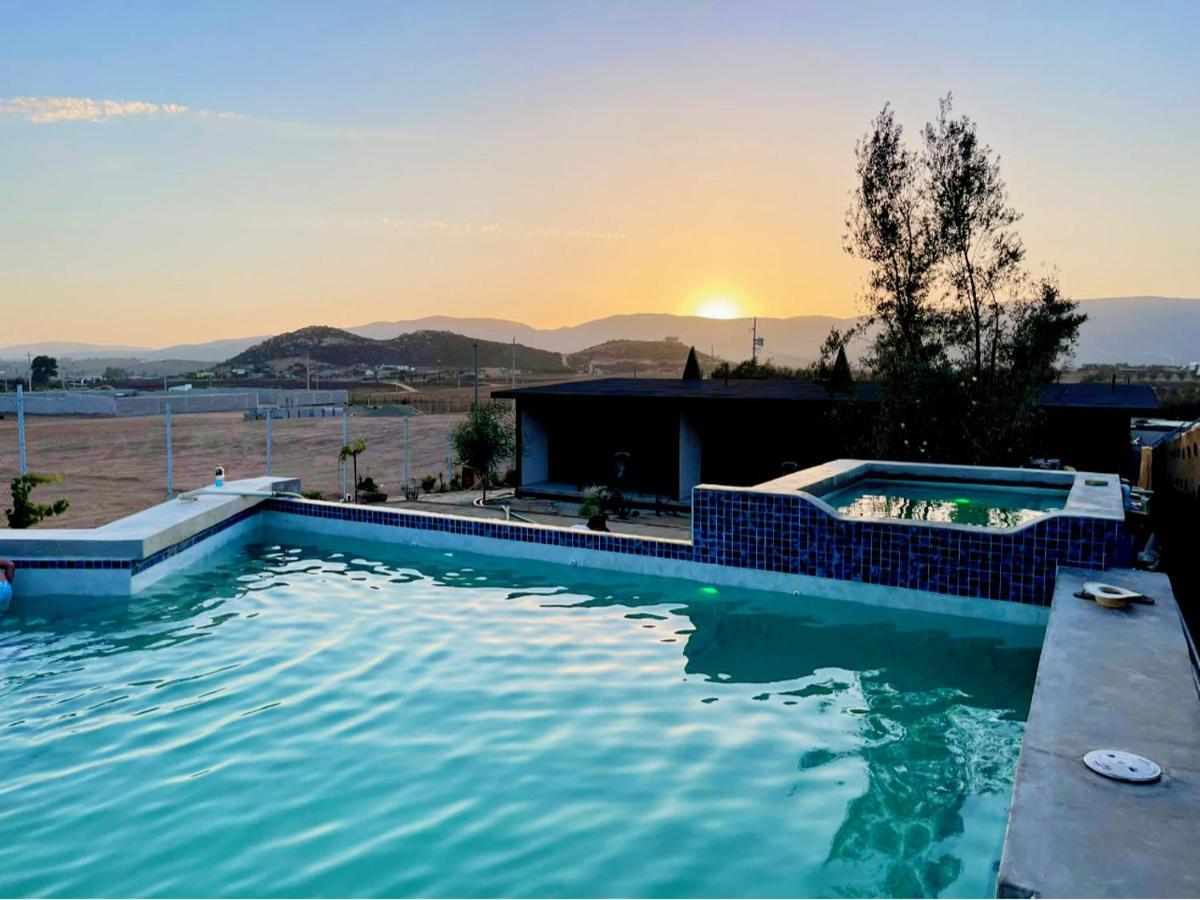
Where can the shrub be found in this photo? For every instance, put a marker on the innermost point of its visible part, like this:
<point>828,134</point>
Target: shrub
<point>24,512</point>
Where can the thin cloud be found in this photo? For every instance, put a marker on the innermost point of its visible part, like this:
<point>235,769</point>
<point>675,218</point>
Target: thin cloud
<point>50,110</point>
<point>55,110</point>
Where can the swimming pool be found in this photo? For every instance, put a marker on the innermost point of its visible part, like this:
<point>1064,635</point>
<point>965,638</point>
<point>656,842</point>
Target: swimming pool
<point>962,503</point>
<point>298,719</point>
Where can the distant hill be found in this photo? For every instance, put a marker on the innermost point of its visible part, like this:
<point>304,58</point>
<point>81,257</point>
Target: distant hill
<point>337,347</point>
<point>1126,329</point>
<point>616,357</point>
<point>793,341</point>
<point>1120,329</point>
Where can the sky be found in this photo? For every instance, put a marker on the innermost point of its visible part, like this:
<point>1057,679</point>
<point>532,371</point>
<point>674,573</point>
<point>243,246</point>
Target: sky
<point>178,172</point>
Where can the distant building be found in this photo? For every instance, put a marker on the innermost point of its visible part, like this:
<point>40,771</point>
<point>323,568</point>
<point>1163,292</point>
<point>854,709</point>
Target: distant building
<point>678,434</point>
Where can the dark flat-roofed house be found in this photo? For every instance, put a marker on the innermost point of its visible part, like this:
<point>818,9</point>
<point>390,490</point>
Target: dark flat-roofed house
<point>680,433</point>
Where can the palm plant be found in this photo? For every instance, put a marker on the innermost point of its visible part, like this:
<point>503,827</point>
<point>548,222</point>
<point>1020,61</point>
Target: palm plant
<point>350,452</point>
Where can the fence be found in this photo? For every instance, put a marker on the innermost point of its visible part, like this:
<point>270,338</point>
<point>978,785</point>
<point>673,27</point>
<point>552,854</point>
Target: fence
<point>109,403</point>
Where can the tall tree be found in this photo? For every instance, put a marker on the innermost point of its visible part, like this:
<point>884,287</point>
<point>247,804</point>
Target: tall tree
<point>981,253</point>
<point>889,225</point>
<point>42,370</point>
<point>960,352</point>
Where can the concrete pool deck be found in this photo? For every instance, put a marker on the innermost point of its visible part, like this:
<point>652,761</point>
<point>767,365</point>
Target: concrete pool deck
<point>1108,679</point>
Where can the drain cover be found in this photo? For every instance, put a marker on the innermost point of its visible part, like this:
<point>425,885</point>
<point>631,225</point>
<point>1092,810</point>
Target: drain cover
<point>1122,765</point>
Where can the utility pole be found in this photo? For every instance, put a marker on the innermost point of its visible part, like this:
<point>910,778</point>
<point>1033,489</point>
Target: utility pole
<point>307,372</point>
<point>475,347</point>
<point>514,364</point>
<point>755,343</point>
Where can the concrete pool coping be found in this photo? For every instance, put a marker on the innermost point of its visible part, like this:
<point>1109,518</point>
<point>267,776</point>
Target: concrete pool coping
<point>1108,679</point>
<point>129,554</point>
<point>1085,497</point>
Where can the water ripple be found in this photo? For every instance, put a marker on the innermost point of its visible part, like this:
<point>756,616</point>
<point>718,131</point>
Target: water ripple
<point>293,720</point>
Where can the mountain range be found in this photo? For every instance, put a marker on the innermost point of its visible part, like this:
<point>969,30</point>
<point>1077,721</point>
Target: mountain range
<point>1119,329</point>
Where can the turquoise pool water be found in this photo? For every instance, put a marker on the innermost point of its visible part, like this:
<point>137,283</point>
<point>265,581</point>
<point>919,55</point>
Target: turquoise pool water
<point>984,505</point>
<point>295,720</point>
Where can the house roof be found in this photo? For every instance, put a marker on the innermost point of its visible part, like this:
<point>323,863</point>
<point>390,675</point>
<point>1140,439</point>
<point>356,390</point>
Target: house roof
<point>1132,397</point>
<point>678,389</point>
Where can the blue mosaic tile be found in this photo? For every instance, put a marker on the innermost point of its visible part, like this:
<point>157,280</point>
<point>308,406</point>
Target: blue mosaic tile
<point>784,533</point>
<point>773,533</point>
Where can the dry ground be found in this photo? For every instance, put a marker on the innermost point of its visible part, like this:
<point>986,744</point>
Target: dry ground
<point>114,467</point>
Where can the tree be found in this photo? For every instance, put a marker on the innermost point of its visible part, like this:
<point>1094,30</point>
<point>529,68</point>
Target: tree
<point>981,253</point>
<point>24,512</point>
<point>889,224</point>
<point>115,373</point>
<point>959,350</point>
<point>350,452</point>
<point>42,370</point>
<point>487,438</point>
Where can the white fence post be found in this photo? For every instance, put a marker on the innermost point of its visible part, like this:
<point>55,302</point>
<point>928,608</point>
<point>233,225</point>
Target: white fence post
<point>345,462</point>
<point>268,440</point>
<point>22,462</point>
<point>406,452</point>
<point>170,454</point>
<point>449,453</point>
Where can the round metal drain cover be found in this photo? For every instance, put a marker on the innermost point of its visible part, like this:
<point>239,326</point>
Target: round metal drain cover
<point>1121,765</point>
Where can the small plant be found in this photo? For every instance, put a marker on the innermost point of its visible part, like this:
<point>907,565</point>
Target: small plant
<point>312,495</point>
<point>595,501</point>
<point>455,483</point>
<point>428,483</point>
<point>369,492</point>
<point>25,512</point>
<point>412,490</point>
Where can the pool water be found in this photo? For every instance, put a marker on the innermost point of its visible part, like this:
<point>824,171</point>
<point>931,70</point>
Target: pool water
<point>984,505</point>
<point>297,720</point>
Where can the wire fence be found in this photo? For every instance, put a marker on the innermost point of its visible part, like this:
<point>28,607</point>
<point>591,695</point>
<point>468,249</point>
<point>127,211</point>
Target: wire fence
<point>112,467</point>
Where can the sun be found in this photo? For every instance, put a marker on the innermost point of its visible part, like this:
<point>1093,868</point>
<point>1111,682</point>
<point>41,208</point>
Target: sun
<point>718,308</point>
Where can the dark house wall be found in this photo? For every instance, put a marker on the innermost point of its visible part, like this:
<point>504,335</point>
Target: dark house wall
<point>746,443</point>
<point>1091,440</point>
<point>748,431</point>
<point>583,439</point>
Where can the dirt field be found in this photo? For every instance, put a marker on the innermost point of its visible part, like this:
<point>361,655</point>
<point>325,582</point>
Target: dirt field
<point>114,467</point>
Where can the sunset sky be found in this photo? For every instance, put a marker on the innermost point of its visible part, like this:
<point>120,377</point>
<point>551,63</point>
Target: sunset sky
<point>177,172</point>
